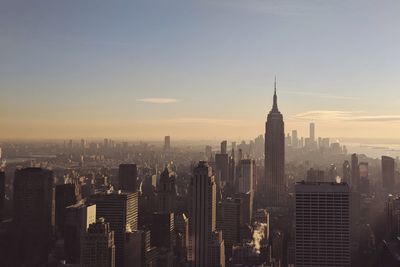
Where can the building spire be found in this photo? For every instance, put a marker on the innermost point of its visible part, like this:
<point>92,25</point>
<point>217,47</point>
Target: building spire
<point>275,103</point>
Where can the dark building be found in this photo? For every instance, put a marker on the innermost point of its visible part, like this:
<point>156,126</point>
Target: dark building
<point>33,215</point>
<point>355,171</point>
<point>65,196</point>
<point>121,211</point>
<point>162,230</point>
<point>275,156</point>
<point>224,147</point>
<point>2,193</point>
<point>166,193</point>
<point>78,217</point>
<point>388,173</point>
<point>97,248</point>
<point>167,143</point>
<point>346,176</point>
<point>127,177</point>
<point>222,168</point>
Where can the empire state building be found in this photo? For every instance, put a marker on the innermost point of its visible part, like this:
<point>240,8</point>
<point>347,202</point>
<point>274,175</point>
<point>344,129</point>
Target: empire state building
<point>275,156</point>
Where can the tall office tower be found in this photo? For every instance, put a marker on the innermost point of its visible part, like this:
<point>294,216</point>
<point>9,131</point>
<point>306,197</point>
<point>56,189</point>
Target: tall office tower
<point>127,177</point>
<point>182,236</point>
<point>295,139</point>
<point>97,247</point>
<point>208,152</point>
<point>2,193</point>
<point>121,211</point>
<point>229,223</point>
<point>203,217</point>
<point>355,172</point>
<point>78,217</point>
<point>393,215</point>
<point>322,224</point>
<point>246,176</point>
<point>315,175</point>
<point>364,179</point>
<point>222,168</point>
<point>246,208</point>
<point>275,156</point>
<point>142,253</point>
<point>277,252</point>
<point>232,168</point>
<point>346,176</point>
<point>65,196</point>
<point>312,131</point>
<point>216,250</point>
<point>259,146</point>
<point>162,230</point>
<point>224,147</point>
<point>167,143</point>
<point>388,173</point>
<point>166,193</point>
<point>83,144</point>
<point>33,214</point>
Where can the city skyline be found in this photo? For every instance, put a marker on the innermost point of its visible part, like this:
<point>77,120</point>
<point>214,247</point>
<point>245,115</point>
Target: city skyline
<point>186,67</point>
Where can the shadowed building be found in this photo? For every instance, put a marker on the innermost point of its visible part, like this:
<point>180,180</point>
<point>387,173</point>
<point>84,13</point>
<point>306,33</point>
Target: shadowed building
<point>2,192</point>
<point>33,214</point>
<point>166,193</point>
<point>388,173</point>
<point>127,176</point>
<point>65,196</point>
<point>275,156</point>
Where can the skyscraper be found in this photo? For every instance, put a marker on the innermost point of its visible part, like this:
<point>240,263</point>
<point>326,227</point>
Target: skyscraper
<point>312,131</point>
<point>78,217</point>
<point>222,168</point>
<point>346,177</point>
<point>224,145</point>
<point>127,176</point>
<point>166,193</point>
<point>97,248</point>
<point>295,139</point>
<point>121,211</point>
<point>203,217</point>
<point>355,172</point>
<point>322,224</point>
<point>388,173</point>
<point>275,156</point>
<point>65,196</point>
<point>167,143</point>
<point>33,214</point>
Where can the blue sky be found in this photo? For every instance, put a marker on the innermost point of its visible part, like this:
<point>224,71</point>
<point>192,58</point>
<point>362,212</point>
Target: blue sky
<point>71,69</point>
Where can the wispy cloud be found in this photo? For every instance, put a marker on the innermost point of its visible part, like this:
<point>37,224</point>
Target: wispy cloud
<point>339,115</point>
<point>198,121</point>
<point>322,95</point>
<point>158,100</point>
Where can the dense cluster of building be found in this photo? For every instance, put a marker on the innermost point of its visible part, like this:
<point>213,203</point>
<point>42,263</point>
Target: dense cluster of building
<point>242,205</point>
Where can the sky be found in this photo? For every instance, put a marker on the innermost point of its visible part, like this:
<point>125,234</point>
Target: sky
<point>198,69</point>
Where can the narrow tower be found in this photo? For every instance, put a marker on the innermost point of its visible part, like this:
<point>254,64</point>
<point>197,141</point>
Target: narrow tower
<point>275,156</point>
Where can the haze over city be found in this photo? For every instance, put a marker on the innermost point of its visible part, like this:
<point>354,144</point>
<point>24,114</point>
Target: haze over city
<point>137,70</point>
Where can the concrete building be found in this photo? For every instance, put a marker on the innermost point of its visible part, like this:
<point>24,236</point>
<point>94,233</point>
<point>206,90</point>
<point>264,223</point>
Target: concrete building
<point>97,247</point>
<point>322,224</point>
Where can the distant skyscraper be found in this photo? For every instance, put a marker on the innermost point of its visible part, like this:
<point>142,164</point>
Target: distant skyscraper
<point>78,217</point>
<point>275,156</point>
<point>203,219</point>
<point>346,176</point>
<point>166,193</point>
<point>2,192</point>
<point>65,196</point>
<point>224,145</point>
<point>355,172</point>
<point>295,139</point>
<point>121,211</point>
<point>222,168</point>
<point>388,173</point>
<point>167,143</point>
<point>312,131</point>
<point>364,177</point>
<point>322,224</point>
<point>33,214</point>
<point>127,177</point>
<point>208,152</point>
<point>97,248</point>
